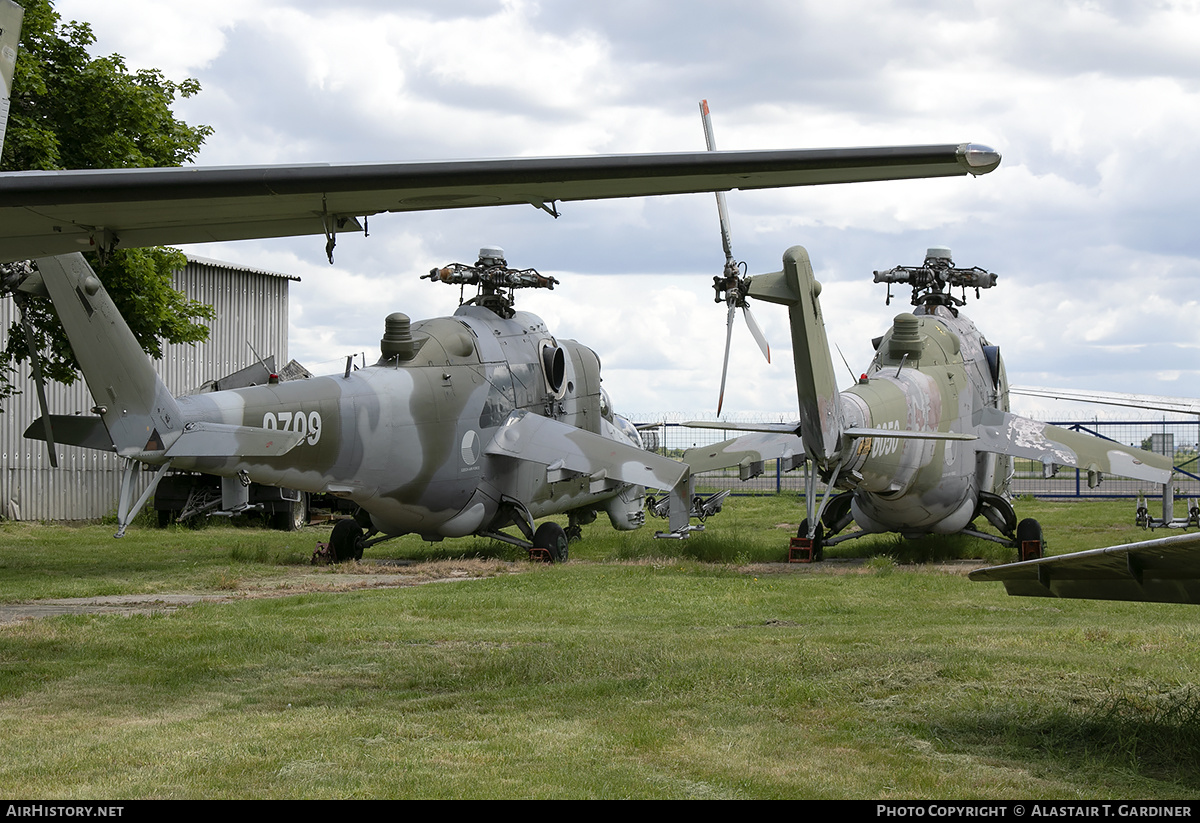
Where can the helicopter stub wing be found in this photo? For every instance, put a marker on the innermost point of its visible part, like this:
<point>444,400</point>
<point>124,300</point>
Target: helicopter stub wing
<point>562,448</point>
<point>1165,570</point>
<point>45,213</point>
<point>1006,433</point>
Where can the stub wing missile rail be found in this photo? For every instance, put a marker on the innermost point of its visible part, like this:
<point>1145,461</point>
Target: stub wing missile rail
<point>493,278</point>
<point>931,280</point>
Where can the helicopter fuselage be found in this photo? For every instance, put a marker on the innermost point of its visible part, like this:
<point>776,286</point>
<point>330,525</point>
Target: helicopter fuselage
<point>931,372</point>
<point>405,438</point>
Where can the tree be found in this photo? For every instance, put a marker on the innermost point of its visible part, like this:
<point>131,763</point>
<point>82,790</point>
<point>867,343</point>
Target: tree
<point>72,111</point>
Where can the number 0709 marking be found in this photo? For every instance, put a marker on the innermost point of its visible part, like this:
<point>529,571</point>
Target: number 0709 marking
<point>308,425</point>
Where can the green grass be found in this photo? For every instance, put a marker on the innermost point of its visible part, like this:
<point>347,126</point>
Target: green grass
<point>657,676</point>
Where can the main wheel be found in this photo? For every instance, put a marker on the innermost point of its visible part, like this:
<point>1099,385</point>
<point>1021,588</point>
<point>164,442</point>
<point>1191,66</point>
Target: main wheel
<point>1029,540</point>
<point>293,517</point>
<point>345,542</point>
<point>551,537</point>
<point>818,539</point>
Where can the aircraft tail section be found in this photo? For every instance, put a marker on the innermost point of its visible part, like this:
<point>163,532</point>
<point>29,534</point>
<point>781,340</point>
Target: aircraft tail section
<point>820,405</point>
<point>141,416</point>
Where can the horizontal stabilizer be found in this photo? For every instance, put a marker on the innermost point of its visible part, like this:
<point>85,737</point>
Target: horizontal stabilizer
<point>1005,433</point>
<point>769,428</point>
<point>226,440</point>
<point>748,453</point>
<point>556,445</point>
<point>1165,570</point>
<point>73,430</point>
<point>905,434</point>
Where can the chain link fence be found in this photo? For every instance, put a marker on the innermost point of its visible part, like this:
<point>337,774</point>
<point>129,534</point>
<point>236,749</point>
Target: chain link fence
<point>1179,438</point>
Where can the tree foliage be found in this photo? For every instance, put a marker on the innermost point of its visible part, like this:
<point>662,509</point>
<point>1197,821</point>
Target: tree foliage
<point>70,110</point>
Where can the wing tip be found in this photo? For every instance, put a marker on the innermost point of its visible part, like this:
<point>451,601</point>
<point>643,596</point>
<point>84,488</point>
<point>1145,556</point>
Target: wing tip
<point>977,158</point>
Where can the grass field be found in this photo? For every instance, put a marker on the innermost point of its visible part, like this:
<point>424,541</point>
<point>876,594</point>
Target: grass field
<point>642,668</point>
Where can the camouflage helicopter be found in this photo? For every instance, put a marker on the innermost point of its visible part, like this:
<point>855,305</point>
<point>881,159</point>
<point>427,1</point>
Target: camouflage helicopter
<point>465,425</point>
<point>923,442</point>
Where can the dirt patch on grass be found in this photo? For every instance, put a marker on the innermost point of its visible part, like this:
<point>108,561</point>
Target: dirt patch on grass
<point>862,565</point>
<point>344,578</point>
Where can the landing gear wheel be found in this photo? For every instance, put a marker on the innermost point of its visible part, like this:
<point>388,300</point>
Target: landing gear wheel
<point>837,514</point>
<point>166,517</point>
<point>551,538</point>
<point>294,516</point>
<point>818,540</point>
<point>346,541</point>
<point>1029,540</point>
<point>574,534</point>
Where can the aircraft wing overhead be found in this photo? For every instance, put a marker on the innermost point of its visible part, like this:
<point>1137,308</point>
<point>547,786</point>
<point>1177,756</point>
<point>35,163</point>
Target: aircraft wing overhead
<point>55,212</point>
<point>1165,570</point>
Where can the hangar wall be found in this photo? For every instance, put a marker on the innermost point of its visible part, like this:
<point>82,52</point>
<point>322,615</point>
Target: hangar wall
<point>251,310</point>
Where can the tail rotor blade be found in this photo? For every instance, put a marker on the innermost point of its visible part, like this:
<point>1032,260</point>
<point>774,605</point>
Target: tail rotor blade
<point>756,332</point>
<point>725,365</point>
<point>731,287</point>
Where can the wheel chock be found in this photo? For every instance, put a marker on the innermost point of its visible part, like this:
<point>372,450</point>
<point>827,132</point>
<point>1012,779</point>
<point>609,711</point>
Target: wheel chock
<point>801,550</point>
<point>1030,550</point>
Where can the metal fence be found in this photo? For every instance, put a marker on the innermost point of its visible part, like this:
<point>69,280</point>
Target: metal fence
<point>1179,438</point>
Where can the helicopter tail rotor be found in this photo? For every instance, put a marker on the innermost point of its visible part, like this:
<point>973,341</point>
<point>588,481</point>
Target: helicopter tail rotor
<point>732,286</point>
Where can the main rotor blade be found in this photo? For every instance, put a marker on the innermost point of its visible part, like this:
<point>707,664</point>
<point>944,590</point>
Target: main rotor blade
<point>725,365</point>
<point>759,337</point>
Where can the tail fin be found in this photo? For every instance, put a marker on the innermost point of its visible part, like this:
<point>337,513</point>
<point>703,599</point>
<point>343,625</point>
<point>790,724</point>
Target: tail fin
<point>820,405</point>
<point>140,414</point>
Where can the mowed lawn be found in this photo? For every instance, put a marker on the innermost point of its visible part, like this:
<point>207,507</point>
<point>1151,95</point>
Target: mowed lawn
<point>635,670</point>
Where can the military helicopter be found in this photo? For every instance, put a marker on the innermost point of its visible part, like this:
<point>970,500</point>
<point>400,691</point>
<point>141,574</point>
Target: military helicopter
<point>466,424</point>
<point>923,442</point>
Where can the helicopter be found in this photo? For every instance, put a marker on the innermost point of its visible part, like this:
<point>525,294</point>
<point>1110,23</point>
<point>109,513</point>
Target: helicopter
<point>923,442</point>
<point>466,424</point>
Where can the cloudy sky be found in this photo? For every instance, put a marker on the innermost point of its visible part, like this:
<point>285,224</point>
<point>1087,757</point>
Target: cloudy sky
<point>1089,221</point>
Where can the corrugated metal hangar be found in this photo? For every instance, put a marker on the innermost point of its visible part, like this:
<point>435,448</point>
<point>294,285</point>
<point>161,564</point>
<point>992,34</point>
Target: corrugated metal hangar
<point>251,316</point>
